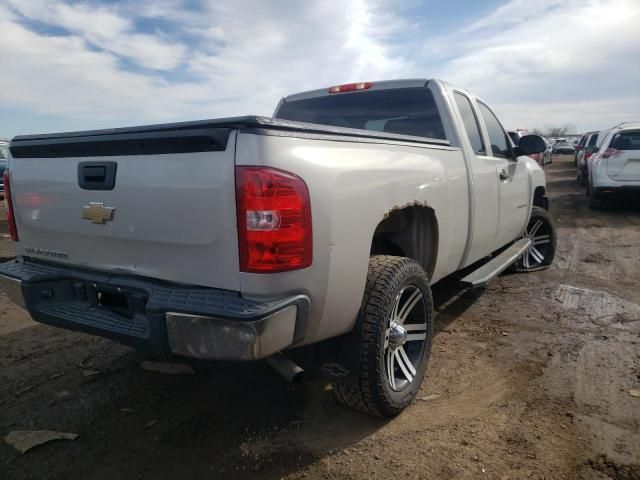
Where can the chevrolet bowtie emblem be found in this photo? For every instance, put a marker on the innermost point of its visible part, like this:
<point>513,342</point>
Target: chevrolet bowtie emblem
<point>98,213</point>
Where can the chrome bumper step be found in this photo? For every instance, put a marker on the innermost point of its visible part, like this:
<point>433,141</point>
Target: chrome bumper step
<point>496,265</point>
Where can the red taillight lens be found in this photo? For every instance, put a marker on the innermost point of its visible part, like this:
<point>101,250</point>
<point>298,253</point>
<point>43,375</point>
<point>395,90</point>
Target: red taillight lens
<point>611,153</point>
<point>11,219</point>
<point>350,87</point>
<point>274,220</point>
<point>587,155</point>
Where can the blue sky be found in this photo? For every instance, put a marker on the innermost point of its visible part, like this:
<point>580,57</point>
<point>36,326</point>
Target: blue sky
<point>70,64</point>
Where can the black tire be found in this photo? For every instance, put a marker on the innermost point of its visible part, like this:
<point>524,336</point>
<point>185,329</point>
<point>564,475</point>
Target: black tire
<point>593,201</point>
<point>541,229</point>
<point>389,279</point>
<point>582,177</point>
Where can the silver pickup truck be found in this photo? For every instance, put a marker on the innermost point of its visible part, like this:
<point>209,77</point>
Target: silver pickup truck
<point>242,238</point>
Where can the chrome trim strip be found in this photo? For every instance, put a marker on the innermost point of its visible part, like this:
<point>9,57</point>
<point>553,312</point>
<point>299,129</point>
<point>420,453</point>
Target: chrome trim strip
<point>224,339</point>
<point>13,288</point>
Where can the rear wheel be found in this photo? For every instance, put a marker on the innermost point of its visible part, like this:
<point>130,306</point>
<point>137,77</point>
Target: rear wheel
<point>582,176</point>
<point>593,200</point>
<point>396,322</point>
<point>542,232</point>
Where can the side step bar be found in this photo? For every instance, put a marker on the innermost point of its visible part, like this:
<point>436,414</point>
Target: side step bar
<point>496,265</point>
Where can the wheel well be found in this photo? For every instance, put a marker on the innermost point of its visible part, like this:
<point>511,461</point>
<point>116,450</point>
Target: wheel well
<point>408,232</point>
<point>540,198</point>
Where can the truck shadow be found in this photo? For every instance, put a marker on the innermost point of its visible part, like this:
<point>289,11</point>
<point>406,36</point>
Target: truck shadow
<point>229,420</point>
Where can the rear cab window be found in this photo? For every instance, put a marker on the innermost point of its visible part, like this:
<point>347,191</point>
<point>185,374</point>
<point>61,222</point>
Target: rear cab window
<point>405,111</point>
<point>592,140</point>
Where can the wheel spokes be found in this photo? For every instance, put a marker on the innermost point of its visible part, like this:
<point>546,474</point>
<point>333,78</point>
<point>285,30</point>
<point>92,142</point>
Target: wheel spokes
<point>391,368</point>
<point>398,361</point>
<point>541,240</point>
<point>537,256</point>
<point>411,302</point>
<point>539,235</point>
<point>534,228</point>
<point>416,331</point>
<point>405,364</point>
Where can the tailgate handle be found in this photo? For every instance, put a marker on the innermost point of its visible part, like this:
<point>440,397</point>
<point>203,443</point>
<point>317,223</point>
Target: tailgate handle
<point>97,175</point>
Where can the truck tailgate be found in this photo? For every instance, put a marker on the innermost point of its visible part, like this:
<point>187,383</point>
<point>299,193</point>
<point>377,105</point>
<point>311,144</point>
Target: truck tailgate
<point>170,213</point>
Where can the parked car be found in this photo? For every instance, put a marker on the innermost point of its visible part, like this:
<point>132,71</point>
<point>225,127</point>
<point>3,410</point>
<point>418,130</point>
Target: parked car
<point>240,238</point>
<point>614,167</point>
<point>547,154</point>
<point>563,148</point>
<point>580,146</point>
<point>4,152</point>
<point>583,156</point>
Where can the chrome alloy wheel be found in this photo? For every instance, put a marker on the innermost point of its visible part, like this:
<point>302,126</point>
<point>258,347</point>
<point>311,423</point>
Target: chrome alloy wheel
<point>540,234</point>
<point>405,337</point>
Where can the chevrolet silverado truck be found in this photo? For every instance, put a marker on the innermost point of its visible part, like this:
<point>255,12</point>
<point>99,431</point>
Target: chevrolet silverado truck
<point>250,238</point>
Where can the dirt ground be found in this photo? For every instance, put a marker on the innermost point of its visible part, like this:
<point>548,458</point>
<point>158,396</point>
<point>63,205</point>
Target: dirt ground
<point>529,378</point>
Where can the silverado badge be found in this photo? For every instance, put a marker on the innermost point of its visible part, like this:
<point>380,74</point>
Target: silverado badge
<point>98,213</point>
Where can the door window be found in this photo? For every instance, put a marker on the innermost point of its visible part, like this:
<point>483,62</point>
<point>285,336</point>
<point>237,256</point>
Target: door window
<point>470,123</point>
<point>497,135</point>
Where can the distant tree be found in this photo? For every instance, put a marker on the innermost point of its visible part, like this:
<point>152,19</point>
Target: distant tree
<point>565,129</point>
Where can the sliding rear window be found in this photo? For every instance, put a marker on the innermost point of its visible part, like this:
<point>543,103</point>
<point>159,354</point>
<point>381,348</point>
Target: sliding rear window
<point>629,140</point>
<point>405,111</point>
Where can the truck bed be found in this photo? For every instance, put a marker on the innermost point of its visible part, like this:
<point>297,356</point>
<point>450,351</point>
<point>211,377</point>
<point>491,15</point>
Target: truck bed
<point>83,143</point>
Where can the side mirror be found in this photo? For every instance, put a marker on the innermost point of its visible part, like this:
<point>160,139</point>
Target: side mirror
<point>530,144</point>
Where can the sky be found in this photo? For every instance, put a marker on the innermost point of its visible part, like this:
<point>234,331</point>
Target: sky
<point>73,64</point>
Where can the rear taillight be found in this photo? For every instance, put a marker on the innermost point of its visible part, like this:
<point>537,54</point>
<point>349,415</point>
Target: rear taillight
<point>274,220</point>
<point>611,153</point>
<point>11,219</point>
<point>350,87</point>
<point>587,155</point>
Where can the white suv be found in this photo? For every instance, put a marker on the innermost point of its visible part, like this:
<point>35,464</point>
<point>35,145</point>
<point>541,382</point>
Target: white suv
<point>615,165</point>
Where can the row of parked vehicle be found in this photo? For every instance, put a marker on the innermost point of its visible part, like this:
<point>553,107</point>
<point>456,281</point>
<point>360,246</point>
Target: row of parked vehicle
<point>4,151</point>
<point>608,162</point>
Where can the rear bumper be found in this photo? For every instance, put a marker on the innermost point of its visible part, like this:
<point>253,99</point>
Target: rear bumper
<point>158,317</point>
<point>612,188</point>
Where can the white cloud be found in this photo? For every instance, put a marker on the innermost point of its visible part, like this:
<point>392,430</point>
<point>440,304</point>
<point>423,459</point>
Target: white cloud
<point>246,71</point>
<point>536,63</point>
<point>566,60</point>
<point>106,29</point>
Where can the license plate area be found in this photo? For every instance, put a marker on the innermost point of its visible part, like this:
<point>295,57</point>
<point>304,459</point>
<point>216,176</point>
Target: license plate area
<point>114,299</point>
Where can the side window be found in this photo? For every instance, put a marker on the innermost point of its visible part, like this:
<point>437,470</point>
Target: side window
<point>470,123</point>
<point>497,136</point>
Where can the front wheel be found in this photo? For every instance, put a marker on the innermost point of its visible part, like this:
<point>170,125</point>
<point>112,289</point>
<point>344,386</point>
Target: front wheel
<point>542,232</point>
<point>396,322</point>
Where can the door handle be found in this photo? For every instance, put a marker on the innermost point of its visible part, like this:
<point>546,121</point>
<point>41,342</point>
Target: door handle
<point>504,175</point>
<point>97,175</point>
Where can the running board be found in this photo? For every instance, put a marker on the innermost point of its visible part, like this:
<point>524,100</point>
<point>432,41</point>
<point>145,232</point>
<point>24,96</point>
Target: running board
<point>496,265</point>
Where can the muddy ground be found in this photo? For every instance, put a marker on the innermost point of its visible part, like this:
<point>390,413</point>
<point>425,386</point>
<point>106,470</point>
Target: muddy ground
<point>529,378</point>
